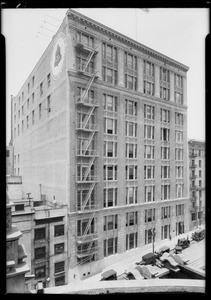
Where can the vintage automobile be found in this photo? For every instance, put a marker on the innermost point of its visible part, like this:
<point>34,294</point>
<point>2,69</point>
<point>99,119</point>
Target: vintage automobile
<point>162,250</point>
<point>148,259</point>
<point>109,275</point>
<point>198,235</point>
<point>183,243</point>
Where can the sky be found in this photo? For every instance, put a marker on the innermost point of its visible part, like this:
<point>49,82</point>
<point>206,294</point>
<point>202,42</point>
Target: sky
<point>175,32</point>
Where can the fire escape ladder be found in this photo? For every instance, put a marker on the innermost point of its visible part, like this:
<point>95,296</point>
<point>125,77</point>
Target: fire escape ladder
<point>88,226</point>
<point>88,60</point>
<point>87,118</point>
<point>88,196</point>
<point>89,168</point>
<point>87,88</point>
<point>89,141</point>
<point>90,247</point>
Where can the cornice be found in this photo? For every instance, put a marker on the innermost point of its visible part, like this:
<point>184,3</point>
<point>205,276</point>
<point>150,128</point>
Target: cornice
<point>124,39</point>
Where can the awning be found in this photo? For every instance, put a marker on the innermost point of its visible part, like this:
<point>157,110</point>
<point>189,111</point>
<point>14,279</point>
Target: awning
<point>164,249</point>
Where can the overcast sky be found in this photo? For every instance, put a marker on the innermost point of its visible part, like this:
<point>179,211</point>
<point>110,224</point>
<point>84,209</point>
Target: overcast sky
<point>177,33</point>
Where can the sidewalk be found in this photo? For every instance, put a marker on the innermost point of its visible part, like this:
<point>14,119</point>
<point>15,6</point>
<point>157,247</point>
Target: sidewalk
<point>128,258</point>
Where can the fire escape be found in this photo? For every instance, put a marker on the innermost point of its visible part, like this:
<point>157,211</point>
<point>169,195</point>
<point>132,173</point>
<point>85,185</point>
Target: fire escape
<point>86,154</point>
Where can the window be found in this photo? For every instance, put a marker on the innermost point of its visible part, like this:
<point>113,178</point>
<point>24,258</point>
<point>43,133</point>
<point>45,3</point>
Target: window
<point>49,104</point>
<point>109,102</point>
<point>22,110</point>
<point>7,153</point>
<point>110,222</point>
<point>165,231</point>
<point>131,218</point>
<point>131,82</point>
<point>199,163</point>
<point>165,134</point>
<point>40,111</point>
<point>41,89</point>
<point>131,195</point>
<point>149,193</point>
<point>149,152</point>
<point>19,207</point>
<point>18,129</point>
<point>179,190</point>
<point>164,75</point>
<point>109,75</point>
<point>130,61</point>
<point>33,117</point>
<point>85,39</point>
<point>110,172</point>
<point>40,272</point>
<point>178,118</point>
<point>110,149</point>
<point>19,113</point>
<point>33,81</point>
<point>22,125</point>
<point>32,97</point>
<point>130,129</point>
<point>59,280</point>
<point>149,172</point>
<point>130,107</point>
<point>149,88</point>
<point>165,191</point>
<point>178,154</point>
<point>165,212</point>
<point>59,230</point>
<point>178,81</point>
<point>82,227</point>
<point>39,253</point>
<point>193,217</point>
<point>165,153</point>
<point>27,103</point>
<point>178,136</point>
<point>180,228</point>
<point>149,215</point>
<point>59,248</point>
<point>179,172</point>
<point>149,112</point>
<point>110,197</point>
<point>49,80</point>
<point>39,233</point>
<point>131,172</point>
<point>59,267</point>
<point>149,68</point>
<point>165,115</point>
<point>131,240</point>
<point>110,246</point>
<point>109,53</point>
<point>131,151</point>
<point>22,96</point>
<point>178,97</point>
<point>164,93</point>
<point>149,235</point>
<point>165,172</point>
<point>110,126</point>
<point>81,60</point>
<point>149,132</point>
<point>27,122</point>
<point>199,173</point>
<point>180,210</point>
<point>82,202</point>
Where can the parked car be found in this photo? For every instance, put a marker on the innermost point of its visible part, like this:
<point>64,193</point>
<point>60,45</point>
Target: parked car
<point>183,242</point>
<point>109,275</point>
<point>148,259</point>
<point>162,250</point>
<point>198,235</point>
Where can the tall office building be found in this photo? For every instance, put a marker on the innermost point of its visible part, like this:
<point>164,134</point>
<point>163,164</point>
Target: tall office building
<point>197,183</point>
<point>101,125</point>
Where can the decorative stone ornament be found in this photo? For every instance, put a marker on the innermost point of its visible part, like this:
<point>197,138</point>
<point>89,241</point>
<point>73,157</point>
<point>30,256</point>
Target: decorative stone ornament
<point>58,54</point>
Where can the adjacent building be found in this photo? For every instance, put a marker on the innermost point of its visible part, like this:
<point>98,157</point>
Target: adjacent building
<point>100,125</point>
<point>197,183</point>
<point>43,225</point>
<point>9,160</point>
